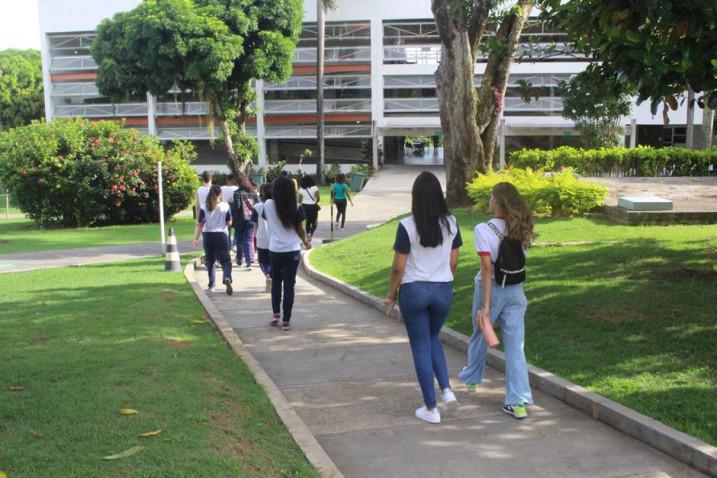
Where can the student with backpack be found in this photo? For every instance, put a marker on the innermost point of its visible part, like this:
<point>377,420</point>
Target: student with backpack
<point>309,198</point>
<point>213,224</point>
<point>243,206</point>
<point>498,297</point>
<point>228,191</point>
<point>425,259</point>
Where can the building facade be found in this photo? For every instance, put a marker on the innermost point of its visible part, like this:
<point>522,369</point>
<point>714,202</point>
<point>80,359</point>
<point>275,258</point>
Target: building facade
<point>379,88</point>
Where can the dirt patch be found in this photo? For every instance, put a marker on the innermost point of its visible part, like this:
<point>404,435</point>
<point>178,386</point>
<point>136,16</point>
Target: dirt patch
<point>38,341</point>
<point>684,273</point>
<point>180,344</point>
<point>168,292</point>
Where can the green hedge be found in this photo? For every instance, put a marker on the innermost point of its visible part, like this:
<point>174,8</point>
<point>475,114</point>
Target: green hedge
<point>80,173</point>
<point>640,161</point>
<point>555,194</point>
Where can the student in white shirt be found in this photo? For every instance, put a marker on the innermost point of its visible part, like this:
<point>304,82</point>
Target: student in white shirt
<point>203,191</point>
<point>228,197</point>
<point>213,224</point>
<point>310,197</point>
<point>262,234</point>
<point>286,235</point>
<point>425,259</point>
<point>499,302</point>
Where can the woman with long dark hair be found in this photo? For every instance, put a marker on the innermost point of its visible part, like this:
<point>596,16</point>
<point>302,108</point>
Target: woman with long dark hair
<point>244,199</point>
<point>425,259</point>
<point>310,197</point>
<point>339,195</point>
<point>215,219</point>
<point>495,301</point>
<point>284,218</point>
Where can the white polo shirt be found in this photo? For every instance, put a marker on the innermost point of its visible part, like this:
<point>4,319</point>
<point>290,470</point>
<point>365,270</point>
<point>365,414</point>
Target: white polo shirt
<point>427,264</point>
<point>228,193</point>
<point>202,194</point>
<point>262,229</point>
<point>281,239</point>
<point>216,221</point>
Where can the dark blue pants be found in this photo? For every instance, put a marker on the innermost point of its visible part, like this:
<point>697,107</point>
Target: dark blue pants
<point>264,260</point>
<point>245,243</point>
<point>424,308</point>
<point>216,247</point>
<point>283,271</point>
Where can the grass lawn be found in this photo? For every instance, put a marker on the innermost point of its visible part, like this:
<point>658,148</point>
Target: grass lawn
<point>80,353</point>
<point>23,235</point>
<point>632,316</point>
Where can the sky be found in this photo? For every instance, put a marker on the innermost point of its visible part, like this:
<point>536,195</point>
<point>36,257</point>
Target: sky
<point>19,24</point>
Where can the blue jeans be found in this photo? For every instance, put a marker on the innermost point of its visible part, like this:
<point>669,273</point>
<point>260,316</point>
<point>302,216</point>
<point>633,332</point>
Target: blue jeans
<point>216,247</point>
<point>245,243</point>
<point>507,307</point>
<point>264,260</point>
<point>424,308</point>
<point>283,270</point>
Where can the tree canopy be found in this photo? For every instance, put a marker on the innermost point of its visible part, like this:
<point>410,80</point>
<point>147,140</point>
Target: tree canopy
<point>21,89</point>
<point>663,47</point>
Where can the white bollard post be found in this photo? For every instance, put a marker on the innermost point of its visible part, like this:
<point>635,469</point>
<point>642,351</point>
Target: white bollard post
<point>161,204</point>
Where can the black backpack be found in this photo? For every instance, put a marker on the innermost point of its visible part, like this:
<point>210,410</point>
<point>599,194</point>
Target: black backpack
<point>510,265</point>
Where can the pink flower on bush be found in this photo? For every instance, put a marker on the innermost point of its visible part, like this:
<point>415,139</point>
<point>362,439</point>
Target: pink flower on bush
<point>114,187</point>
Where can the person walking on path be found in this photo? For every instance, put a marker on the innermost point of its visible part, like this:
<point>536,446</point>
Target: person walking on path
<point>425,259</point>
<point>228,197</point>
<point>213,224</point>
<point>310,197</point>
<point>244,199</point>
<point>495,301</point>
<point>262,235</point>
<point>203,191</point>
<point>286,235</point>
<point>339,195</point>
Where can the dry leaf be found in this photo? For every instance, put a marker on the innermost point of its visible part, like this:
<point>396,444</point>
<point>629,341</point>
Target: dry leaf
<point>129,452</point>
<point>128,411</point>
<point>16,388</point>
<point>196,321</point>
<point>37,434</point>
<point>151,434</point>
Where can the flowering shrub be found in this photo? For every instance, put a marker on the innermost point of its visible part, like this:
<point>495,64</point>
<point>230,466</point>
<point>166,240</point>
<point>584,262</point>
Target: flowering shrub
<point>556,194</point>
<point>80,173</point>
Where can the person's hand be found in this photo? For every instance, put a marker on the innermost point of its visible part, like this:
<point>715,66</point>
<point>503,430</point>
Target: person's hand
<point>482,316</point>
<point>389,303</point>
<point>195,242</point>
<point>307,245</point>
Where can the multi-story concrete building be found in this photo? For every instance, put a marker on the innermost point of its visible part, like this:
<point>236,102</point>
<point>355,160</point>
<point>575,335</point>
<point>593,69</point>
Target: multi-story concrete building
<point>379,87</point>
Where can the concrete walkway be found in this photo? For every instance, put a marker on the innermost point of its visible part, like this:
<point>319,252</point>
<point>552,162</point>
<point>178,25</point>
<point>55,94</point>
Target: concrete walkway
<point>347,371</point>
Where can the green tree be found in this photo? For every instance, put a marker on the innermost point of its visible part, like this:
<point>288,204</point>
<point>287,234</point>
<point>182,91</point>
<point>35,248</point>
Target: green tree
<point>216,48</point>
<point>21,92</point>
<point>596,105</point>
<point>663,48</point>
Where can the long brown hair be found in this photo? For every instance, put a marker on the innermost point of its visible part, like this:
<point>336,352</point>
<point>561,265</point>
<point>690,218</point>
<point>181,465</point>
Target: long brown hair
<point>215,192</point>
<point>518,218</point>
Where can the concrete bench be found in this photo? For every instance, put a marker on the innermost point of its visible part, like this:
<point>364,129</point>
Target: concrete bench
<point>644,203</point>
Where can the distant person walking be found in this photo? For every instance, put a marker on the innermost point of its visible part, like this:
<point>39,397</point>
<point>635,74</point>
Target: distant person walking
<point>203,191</point>
<point>425,259</point>
<point>228,197</point>
<point>339,195</point>
<point>213,224</point>
<point>310,197</point>
<point>499,297</point>
<point>286,235</point>
<point>262,234</point>
<point>244,199</point>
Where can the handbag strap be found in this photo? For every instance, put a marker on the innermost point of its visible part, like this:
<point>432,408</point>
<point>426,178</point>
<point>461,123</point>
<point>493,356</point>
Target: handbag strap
<point>500,235</point>
<point>310,195</point>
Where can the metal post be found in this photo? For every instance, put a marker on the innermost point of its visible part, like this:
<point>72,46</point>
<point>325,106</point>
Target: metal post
<point>633,132</point>
<point>690,119</point>
<point>161,204</point>
<point>7,206</point>
<point>501,145</point>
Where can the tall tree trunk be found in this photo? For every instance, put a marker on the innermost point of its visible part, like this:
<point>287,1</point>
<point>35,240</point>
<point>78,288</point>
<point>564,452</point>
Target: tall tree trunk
<point>470,120</point>
<point>690,119</point>
<point>708,118</point>
<point>233,162</point>
<point>320,31</point>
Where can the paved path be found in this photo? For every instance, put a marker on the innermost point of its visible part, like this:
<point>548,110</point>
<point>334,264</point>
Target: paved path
<point>347,371</point>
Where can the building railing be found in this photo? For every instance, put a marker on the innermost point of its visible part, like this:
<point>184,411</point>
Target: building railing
<point>73,63</point>
<point>330,82</point>
<point>336,131</point>
<point>360,54</point>
<point>309,106</point>
<point>422,105</point>
<point>86,90</point>
<point>190,108</point>
<point>101,110</point>
<point>429,81</point>
<point>194,133</point>
<point>430,54</point>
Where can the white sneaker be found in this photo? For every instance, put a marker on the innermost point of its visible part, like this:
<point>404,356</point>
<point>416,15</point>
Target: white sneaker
<point>430,416</point>
<point>212,289</point>
<point>449,398</point>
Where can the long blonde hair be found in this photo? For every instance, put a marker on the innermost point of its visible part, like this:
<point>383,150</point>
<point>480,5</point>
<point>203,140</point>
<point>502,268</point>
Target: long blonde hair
<point>518,219</point>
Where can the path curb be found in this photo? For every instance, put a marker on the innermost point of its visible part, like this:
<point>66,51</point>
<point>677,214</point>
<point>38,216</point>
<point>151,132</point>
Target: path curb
<point>678,445</point>
<point>297,428</point>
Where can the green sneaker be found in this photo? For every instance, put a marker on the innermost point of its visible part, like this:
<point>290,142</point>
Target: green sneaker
<point>472,387</point>
<point>518,411</point>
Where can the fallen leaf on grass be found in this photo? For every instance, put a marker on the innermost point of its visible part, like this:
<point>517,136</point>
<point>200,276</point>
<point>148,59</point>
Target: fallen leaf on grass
<point>151,434</point>
<point>15,388</point>
<point>37,434</point>
<point>128,411</point>
<point>196,321</point>
<point>129,452</point>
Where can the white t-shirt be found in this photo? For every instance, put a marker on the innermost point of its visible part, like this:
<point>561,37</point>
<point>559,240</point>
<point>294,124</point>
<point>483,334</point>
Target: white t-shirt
<point>262,230</point>
<point>487,241</point>
<point>216,221</point>
<point>281,239</point>
<point>427,264</point>
<point>202,194</point>
<point>306,196</point>
<point>228,193</point>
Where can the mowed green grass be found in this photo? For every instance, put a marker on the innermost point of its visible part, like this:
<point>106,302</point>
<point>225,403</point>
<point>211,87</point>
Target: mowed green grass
<point>23,235</point>
<point>84,343</point>
<point>632,316</point>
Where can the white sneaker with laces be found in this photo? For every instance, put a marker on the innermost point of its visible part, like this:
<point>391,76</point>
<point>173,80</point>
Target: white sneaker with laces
<point>211,289</point>
<point>449,398</point>
<point>430,416</point>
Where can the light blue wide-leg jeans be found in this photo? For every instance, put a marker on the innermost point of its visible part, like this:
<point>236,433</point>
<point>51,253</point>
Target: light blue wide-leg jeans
<point>507,309</point>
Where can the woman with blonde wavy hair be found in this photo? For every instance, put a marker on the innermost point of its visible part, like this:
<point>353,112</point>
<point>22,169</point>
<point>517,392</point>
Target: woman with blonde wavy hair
<point>497,302</point>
